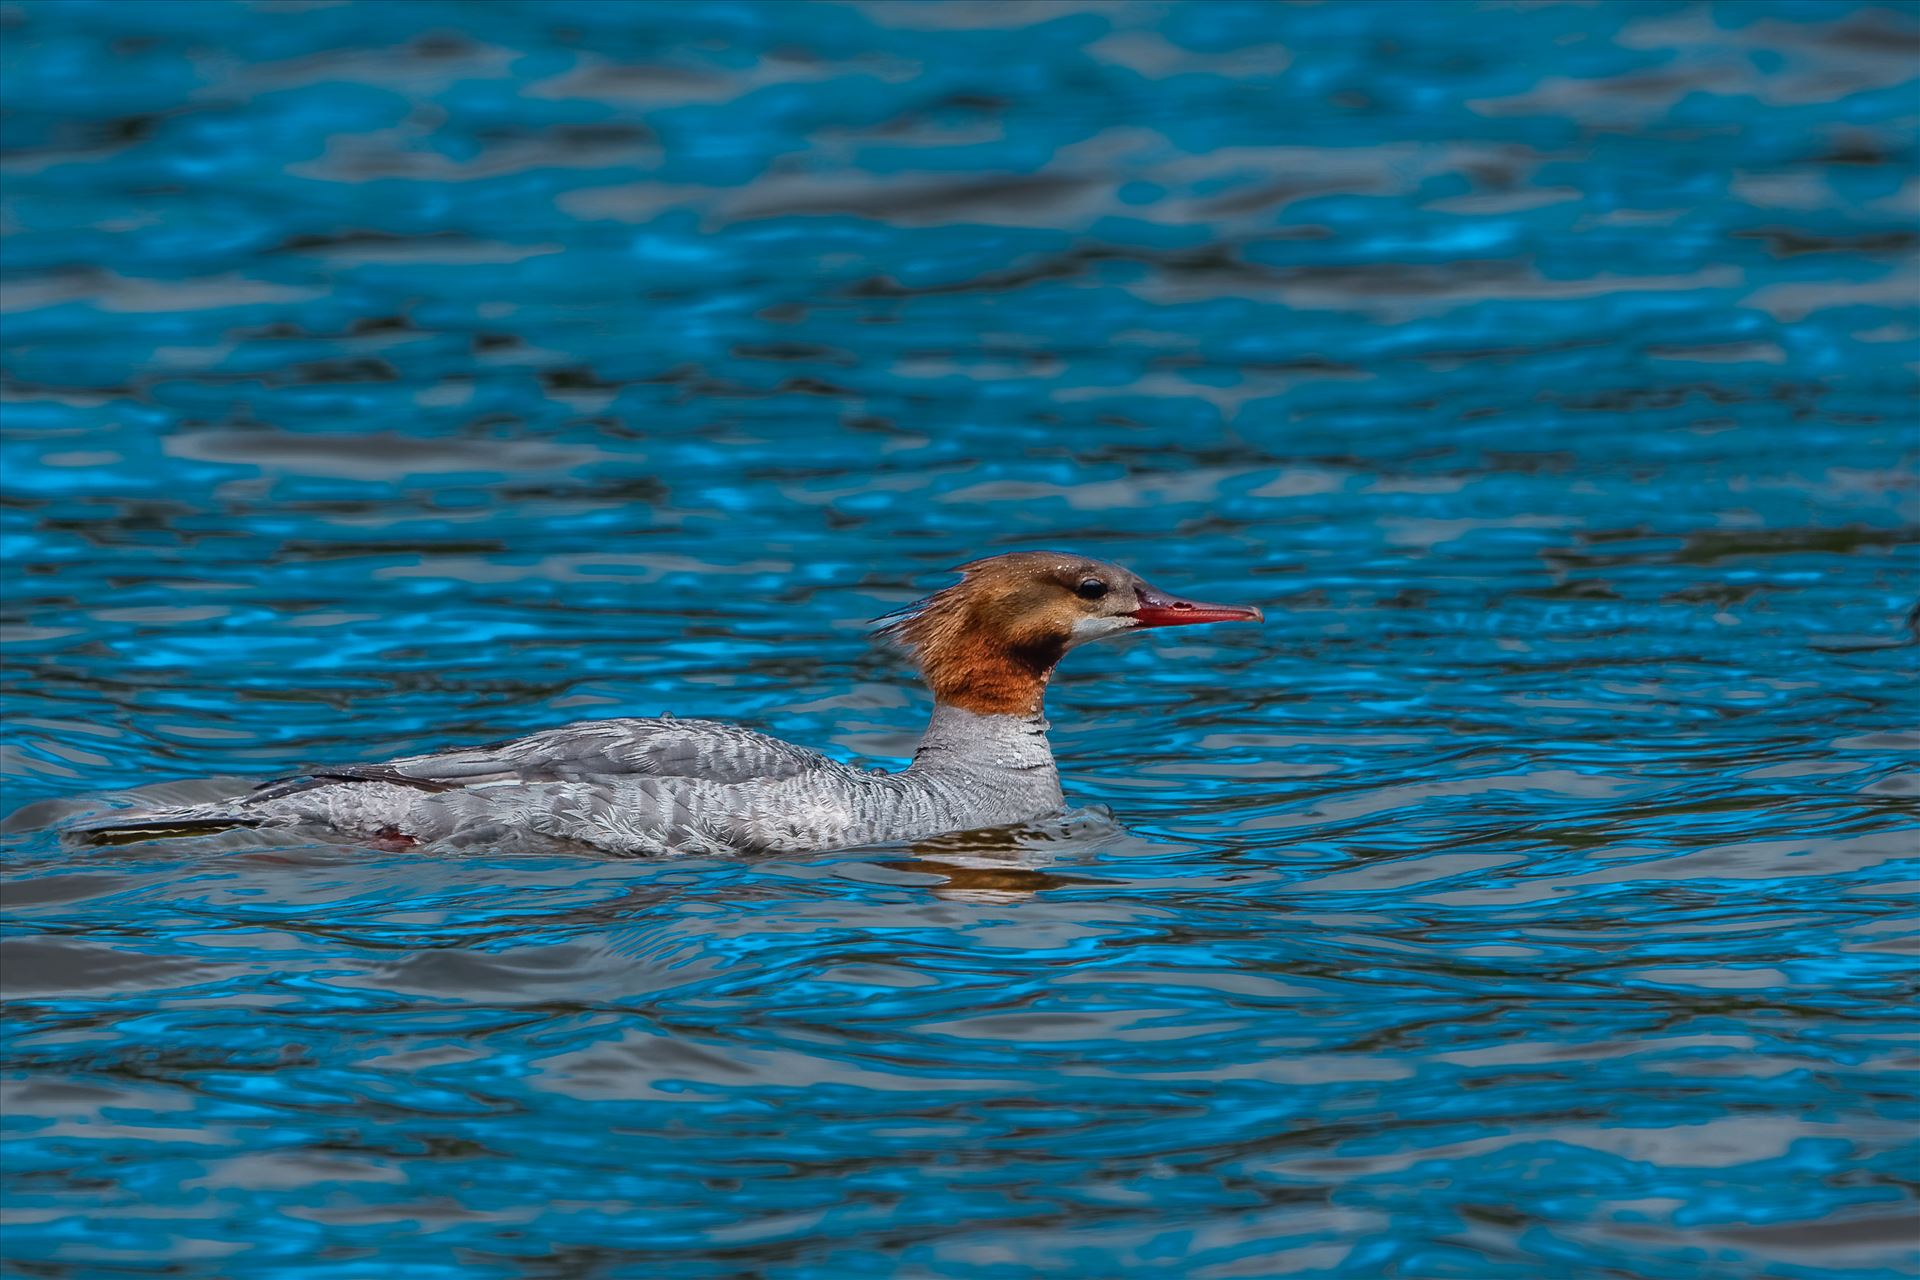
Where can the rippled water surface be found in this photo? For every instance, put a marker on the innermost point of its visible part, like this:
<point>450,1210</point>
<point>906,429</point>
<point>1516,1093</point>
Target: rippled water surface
<point>1522,901</point>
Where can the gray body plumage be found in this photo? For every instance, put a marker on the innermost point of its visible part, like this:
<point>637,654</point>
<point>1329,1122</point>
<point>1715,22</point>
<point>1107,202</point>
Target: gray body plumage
<point>657,787</point>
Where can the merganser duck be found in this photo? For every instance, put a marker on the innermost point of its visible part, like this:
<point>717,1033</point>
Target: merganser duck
<point>985,645</point>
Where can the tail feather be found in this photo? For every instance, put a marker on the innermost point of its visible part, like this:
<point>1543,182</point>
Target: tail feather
<point>160,824</point>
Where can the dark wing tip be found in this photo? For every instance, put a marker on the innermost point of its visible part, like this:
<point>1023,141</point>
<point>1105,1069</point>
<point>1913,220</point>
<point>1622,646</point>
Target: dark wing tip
<point>281,787</point>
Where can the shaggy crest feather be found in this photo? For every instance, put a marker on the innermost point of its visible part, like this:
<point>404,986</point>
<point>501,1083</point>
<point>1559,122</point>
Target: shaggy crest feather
<point>989,642</point>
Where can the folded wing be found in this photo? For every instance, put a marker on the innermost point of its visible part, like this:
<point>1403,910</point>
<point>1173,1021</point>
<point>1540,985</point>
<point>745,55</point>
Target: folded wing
<point>590,751</point>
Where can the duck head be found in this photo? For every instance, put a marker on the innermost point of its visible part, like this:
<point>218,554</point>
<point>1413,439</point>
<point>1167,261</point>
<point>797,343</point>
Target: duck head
<point>989,642</point>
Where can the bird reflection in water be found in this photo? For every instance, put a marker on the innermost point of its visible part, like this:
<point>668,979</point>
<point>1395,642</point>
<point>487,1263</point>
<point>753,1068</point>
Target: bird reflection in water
<point>1005,864</point>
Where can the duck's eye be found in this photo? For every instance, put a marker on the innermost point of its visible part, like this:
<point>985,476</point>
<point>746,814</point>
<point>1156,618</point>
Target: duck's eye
<point>1091,589</point>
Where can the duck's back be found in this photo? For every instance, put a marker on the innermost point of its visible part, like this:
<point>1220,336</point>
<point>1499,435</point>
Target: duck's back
<point>595,750</point>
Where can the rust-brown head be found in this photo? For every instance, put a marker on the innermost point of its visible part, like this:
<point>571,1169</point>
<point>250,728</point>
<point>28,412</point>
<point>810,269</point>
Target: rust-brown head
<point>989,642</point>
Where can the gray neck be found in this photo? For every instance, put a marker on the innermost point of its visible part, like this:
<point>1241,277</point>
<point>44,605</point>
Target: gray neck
<point>958,739</point>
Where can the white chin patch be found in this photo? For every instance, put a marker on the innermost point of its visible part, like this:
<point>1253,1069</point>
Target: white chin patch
<point>1087,630</point>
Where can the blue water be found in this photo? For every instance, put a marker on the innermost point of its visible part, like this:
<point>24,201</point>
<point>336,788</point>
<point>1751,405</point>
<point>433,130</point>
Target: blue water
<point>1524,900</point>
